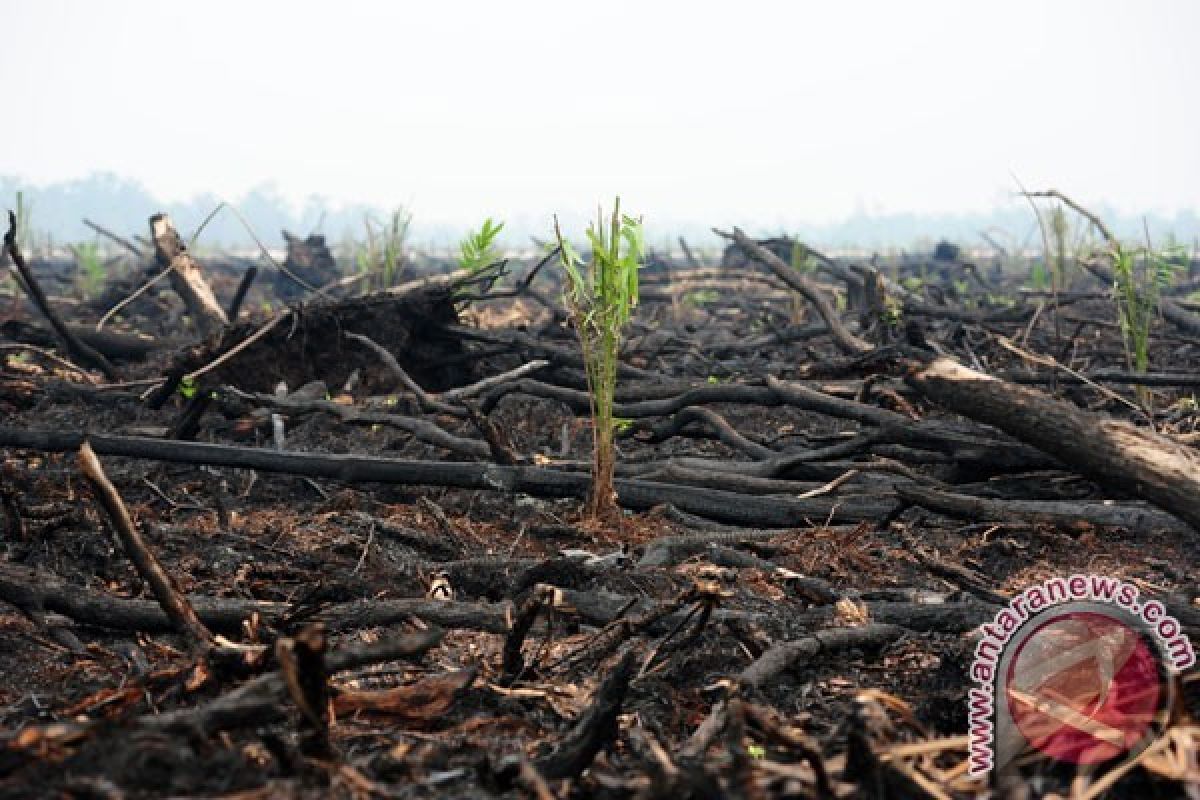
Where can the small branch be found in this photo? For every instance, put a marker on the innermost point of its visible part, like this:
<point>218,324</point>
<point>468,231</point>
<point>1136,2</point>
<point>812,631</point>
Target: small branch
<point>841,334</point>
<point>46,354</point>
<point>427,401</point>
<point>128,245</point>
<point>240,346</point>
<point>235,305</point>
<point>172,600</point>
<point>798,652</point>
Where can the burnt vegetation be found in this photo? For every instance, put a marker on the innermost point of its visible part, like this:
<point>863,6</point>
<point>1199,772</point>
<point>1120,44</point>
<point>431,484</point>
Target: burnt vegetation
<point>324,524</point>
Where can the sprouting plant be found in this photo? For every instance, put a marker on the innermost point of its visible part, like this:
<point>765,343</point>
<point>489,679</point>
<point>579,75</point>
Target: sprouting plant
<point>382,256</point>
<point>1057,256</point>
<point>395,235</point>
<point>1140,275</point>
<point>1039,278</point>
<point>478,248</point>
<point>802,261</point>
<point>601,295</point>
<point>892,313</point>
<point>24,222</point>
<point>701,297</point>
<point>91,274</point>
<point>187,388</point>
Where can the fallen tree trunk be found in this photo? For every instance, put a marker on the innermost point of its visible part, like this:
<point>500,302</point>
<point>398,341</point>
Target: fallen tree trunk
<point>1111,452</point>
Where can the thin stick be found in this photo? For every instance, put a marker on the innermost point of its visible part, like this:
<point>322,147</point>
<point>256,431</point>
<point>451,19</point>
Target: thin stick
<point>128,245</point>
<point>134,296</point>
<point>427,401</point>
<point>165,590</point>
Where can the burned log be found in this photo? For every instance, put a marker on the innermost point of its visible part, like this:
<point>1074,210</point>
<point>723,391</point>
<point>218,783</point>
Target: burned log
<point>1111,452</point>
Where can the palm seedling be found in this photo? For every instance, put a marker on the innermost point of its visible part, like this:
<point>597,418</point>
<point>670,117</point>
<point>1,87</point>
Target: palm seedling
<point>601,294</point>
<point>478,248</point>
<point>90,275</point>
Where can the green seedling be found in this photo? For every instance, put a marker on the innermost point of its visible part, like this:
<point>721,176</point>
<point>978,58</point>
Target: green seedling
<point>893,312</point>
<point>478,248</point>
<point>1140,276</point>
<point>601,294</point>
<point>1039,278</point>
<point>91,275</point>
<point>701,298</point>
<point>381,258</point>
<point>803,262</point>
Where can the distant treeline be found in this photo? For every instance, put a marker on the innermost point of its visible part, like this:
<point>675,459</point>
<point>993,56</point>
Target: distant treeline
<point>124,205</point>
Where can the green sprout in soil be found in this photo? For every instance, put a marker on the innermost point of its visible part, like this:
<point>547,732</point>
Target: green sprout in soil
<point>381,258</point>
<point>478,248</point>
<point>1140,276</point>
<point>701,297</point>
<point>803,262</point>
<point>24,221</point>
<point>90,276</point>
<point>601,295</point>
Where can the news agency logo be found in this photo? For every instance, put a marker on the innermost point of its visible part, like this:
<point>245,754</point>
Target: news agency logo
<point>1075,670</point>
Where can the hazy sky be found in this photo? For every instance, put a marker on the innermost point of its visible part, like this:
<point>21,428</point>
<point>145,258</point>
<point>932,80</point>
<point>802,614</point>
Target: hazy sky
<point>717,111</point>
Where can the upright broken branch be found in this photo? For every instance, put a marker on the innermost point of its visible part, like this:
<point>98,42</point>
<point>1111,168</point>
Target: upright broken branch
<point>186,277</point>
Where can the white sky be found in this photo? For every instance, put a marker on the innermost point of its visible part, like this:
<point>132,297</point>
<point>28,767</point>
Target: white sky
<point>704,111</point>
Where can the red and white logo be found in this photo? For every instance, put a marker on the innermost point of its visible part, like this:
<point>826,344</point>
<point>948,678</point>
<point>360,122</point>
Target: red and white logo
<point>1085,687</point>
